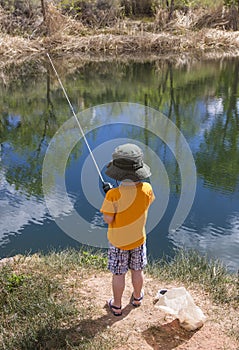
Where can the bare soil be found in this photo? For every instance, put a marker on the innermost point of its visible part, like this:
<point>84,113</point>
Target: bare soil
<point>147,327</point>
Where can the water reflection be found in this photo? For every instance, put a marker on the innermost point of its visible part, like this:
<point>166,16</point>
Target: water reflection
<point>202,99</point>
<point>17,210</point>
<point>213,226</point>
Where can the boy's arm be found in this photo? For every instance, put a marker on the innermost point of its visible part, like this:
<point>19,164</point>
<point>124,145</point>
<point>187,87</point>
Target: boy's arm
<point>108,209</point>
<point>152,197</point>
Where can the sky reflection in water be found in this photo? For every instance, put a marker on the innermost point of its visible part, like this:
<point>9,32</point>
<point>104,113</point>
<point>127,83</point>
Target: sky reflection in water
<point>207,114</point>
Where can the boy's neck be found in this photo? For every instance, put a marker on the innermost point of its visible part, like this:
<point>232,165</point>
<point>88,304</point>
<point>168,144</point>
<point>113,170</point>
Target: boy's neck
<point>129,183</point>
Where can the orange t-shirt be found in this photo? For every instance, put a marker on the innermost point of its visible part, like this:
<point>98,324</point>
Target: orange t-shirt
<point>129,205</point>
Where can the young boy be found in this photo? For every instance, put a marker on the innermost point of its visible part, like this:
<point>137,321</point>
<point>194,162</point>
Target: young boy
<point>125,211</point>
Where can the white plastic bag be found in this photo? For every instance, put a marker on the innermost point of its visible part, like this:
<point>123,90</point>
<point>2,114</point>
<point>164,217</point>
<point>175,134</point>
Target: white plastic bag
<point>179,302</point>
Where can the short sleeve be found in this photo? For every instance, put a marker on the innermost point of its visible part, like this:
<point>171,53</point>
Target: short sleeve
<point>150,193</point>
<point>152,196</point>
<point>108,206</point>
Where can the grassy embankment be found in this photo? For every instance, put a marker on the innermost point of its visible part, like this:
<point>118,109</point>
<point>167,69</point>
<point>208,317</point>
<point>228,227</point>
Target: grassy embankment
<point>41,302</point>
<point>199,29</point>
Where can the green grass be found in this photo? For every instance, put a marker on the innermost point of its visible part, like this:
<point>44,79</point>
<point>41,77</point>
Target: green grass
<point>36,310</point>
<point>39,308</point>
<point>191,268</point>
<point>202,3</point>
<point>73,259</point>
<point>29,309</point>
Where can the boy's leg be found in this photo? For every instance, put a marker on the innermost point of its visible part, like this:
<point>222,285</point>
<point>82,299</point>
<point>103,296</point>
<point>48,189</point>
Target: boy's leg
<point>137,277</point>
<point>118,285</point>
<point>118,265</point>
<point>138,260</point>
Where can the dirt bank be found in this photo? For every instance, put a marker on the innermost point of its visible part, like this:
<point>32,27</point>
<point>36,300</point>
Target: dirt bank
<point>93,326</point>
<point>148,328</point>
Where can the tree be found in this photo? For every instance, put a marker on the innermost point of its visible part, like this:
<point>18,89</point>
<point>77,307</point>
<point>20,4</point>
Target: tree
<point>43,7</point>
<point>170,7</point>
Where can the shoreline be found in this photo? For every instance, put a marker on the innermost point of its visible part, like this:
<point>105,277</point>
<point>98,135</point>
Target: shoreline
<point>58,301</point>
<point>178,48</point>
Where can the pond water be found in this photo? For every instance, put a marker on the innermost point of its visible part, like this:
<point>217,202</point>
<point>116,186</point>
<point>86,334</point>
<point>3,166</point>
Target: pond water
<point>201,99</point>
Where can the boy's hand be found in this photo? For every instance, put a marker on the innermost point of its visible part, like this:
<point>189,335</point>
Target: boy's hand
<point>108,218</point>
<point>106,186</point>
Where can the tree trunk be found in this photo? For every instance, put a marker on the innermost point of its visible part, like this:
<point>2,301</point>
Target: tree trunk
<point>43,8</point>
<point>171,9</point>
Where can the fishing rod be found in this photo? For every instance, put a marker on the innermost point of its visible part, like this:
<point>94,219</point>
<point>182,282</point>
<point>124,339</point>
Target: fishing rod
<point>106,185</point>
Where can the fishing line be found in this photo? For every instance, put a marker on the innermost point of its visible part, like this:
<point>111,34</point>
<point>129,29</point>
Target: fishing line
<point>78,123</point>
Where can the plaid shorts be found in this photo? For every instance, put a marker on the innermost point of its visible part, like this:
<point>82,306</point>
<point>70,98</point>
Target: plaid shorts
<point>119,260</point>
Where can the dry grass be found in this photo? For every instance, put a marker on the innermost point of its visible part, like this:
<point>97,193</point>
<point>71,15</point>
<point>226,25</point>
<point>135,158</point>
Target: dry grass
<point>211,42</point>
<point>56,22</point>
<point>60,34</point>
<point>221,18</point>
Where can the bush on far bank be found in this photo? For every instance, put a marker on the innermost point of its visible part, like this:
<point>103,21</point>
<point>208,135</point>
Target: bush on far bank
<point>32,17</point>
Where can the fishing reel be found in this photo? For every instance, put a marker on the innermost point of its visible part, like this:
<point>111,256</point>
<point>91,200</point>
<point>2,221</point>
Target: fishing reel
<point>106,186</point>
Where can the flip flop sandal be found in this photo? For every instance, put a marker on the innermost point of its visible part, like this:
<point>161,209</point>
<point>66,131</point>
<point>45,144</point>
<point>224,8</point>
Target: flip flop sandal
<point>136,299</point>
<point>113,307</point>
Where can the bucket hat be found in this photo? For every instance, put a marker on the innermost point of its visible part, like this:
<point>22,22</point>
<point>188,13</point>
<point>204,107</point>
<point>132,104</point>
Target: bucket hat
<point>127,163</point>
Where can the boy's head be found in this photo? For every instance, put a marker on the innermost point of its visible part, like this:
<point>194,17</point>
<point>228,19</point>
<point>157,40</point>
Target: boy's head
<point>127,164</point>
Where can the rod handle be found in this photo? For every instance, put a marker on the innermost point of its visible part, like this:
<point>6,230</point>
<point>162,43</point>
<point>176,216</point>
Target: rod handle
<point>107,186</point>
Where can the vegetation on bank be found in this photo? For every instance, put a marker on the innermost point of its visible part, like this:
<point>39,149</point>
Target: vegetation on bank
<point>117,27</point>
<point>39,300</point>
<point>19,15</point>
<point>36,302</point>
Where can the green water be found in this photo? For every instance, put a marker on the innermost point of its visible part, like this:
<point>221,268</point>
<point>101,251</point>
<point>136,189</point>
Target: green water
<point>201,99</point>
